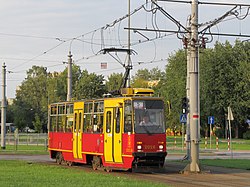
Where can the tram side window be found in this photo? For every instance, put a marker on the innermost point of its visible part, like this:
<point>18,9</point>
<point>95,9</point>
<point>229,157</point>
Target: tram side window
<point>108,122</point>
<point>88,106</point>
<point>61,109</point>
<point>69,125</point>
<point>98,106</point>
<point>98,117</point>
<point>53,110</point>
<point>60,124</point>
<point>88,110</point>
<point>63,126</point>
<point>128,117</point>
<point>98,123</point>
<point>69,109</point>
<point>52,126</point>
<point>88,127</point>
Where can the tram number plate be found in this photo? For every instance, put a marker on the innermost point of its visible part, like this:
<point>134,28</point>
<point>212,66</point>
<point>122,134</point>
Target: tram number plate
<point>149,146</point>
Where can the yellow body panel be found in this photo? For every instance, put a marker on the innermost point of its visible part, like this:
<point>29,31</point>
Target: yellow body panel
<point>108,143</point>
<point>112,138</point>
<point>118,140</point>
<point>77,130</point>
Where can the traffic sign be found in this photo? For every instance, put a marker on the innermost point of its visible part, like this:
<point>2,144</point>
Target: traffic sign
<point>248,121</point>
<point>183,118</point>
<point>229,114</point>
<point>211,120</point>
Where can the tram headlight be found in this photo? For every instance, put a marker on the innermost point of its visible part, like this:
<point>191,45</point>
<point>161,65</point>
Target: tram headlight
<point>161,147</point>
<point>139,147</point>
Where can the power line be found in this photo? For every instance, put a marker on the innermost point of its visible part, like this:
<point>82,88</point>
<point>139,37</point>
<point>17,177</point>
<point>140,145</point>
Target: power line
<point>223,4</point>
<point>25,59</point>
<point>31,36</point>
<point>206,3</point>
<point>72,39</point>
<point>45,52</point>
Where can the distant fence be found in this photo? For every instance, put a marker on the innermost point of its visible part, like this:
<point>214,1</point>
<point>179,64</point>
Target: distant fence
<point>27,139</point>
<point>175,143</point>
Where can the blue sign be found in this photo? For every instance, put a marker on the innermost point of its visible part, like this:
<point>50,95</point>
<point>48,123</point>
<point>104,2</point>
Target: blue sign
<point>248,121</point>
<point>210,120</point>
<point>183,118</point>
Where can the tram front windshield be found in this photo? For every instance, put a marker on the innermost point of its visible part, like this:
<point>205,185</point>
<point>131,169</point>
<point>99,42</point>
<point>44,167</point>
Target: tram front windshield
<point>149,116</point>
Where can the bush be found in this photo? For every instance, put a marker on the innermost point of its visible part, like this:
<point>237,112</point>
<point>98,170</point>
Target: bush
<point>219,132</point>
<point>246,135</point>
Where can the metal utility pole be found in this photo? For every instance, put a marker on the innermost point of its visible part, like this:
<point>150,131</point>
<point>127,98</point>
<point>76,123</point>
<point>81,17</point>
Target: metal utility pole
<point>188,97</point>
<point>3,119</point>
<point>69,92</point>
<point>129,45</point>
<point>194,91</point>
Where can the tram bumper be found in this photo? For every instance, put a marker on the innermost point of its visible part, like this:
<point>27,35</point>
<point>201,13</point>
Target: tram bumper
<point>149,159</point>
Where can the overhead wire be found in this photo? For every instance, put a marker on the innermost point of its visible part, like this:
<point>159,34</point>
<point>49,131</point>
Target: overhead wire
<point>45,52</point>
<point>63,41</point>
<point>32,36</point>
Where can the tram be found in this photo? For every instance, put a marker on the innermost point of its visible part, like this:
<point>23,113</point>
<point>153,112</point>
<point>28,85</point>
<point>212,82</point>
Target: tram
<point>109,133</point>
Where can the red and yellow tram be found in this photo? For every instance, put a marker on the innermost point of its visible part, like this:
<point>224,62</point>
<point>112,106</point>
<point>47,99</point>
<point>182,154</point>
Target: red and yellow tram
<point>110,132</point>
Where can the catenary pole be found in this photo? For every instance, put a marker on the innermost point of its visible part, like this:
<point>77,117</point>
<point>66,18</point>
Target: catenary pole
<point>129,45</point>
<point>69,92</point>
<point>194,89</point>
<point>3,119</point>
<point>188,97</point>
<point>193,166</point>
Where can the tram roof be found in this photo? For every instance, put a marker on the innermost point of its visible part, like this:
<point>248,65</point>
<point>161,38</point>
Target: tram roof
<point>138,93</point>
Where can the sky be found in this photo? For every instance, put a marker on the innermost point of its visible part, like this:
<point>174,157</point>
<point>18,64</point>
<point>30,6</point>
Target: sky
<point>42,33</point>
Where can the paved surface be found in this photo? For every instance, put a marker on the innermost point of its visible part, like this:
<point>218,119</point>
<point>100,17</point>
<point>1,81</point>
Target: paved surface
<point>34,158</point>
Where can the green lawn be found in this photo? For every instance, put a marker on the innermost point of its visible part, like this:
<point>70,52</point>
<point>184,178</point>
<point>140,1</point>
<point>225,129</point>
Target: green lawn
<point>24,149</point>
<point>228,163</point>
<point>21,173</point>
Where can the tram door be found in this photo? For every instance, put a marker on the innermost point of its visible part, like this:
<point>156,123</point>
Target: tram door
<point>77,134</point>
<point>112,135</point>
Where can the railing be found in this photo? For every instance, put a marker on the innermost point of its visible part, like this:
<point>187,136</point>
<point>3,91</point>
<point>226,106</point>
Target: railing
<point>175,143</point>
<point>34,139</point>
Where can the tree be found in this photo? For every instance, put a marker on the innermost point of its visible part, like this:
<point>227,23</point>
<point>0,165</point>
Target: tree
<point>173,87</point>
<point>37,123</point>
<point>90,86</point>
<point>114,81</point>
<point>224,83</point>
<point>31,98</point>
<point>144,77</point>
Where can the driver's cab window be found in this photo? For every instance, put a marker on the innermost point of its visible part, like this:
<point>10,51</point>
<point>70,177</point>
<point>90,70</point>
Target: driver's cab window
<point>149,116</point>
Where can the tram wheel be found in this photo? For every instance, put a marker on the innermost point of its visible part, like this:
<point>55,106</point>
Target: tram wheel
<point>59,158</point>
<point>108,169</point>
<point>96,162</point>
<point>69,163</point>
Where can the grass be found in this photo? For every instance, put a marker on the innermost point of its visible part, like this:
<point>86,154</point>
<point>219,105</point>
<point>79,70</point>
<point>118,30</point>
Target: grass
<point>21,173</point>
<point>24,149</point>
<point>228,163</point>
